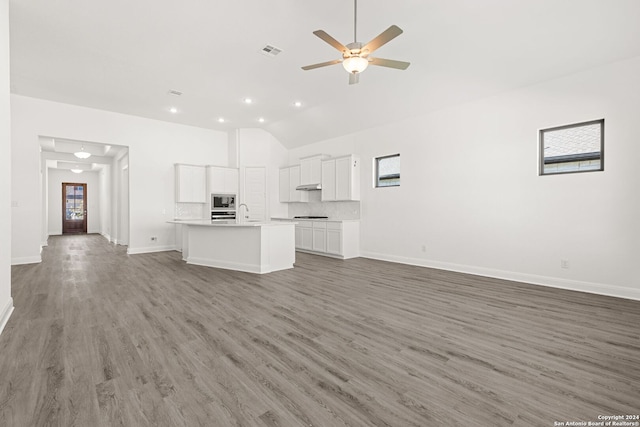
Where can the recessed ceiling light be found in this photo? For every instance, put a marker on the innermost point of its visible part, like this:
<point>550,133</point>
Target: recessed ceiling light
<point>297,104</point>
<point>221,120</point>
<point>261,119</point>
<point>173,110</point>
<point>248,100</point>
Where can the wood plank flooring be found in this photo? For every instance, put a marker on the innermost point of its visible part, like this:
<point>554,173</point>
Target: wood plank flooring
<point>100,338</point>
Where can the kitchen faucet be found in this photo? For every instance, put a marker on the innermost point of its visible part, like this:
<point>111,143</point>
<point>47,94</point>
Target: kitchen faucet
<point>240,210</point>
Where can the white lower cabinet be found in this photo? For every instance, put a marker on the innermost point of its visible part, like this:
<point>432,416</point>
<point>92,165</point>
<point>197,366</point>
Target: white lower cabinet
<point>334,238</point>
<point>304,236</point>
<point>319,236</point>
<point>339,239</point>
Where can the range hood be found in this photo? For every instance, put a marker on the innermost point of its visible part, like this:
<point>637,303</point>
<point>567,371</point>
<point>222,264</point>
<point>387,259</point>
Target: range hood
<point>309,187</point>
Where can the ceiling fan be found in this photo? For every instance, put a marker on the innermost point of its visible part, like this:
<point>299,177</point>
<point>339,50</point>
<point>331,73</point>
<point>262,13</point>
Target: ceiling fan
<point>355,56</point>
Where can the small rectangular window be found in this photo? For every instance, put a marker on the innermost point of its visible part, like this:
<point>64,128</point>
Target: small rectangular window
<point>387,170</point>
<point>572,148</point>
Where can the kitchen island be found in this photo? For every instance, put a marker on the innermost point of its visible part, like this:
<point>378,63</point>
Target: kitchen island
<point>254,247</point>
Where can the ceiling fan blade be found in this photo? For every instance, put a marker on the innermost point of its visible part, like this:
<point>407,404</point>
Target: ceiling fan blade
<point>333,42</point>
<point>321,64</point>
<point>354,78</point>
<point>400,65</point>
<point>386,36</point>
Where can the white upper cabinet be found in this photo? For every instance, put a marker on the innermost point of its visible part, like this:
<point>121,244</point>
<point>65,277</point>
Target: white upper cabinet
<point>190,184</point>
<point>289,180</point>
<point>328,180</point>
<point>222,180</point>
<point>341,179</point>
<point>294,181</point>
<point>310,169</point>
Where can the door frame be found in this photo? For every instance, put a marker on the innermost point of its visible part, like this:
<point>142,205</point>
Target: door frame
<point>64,206</point>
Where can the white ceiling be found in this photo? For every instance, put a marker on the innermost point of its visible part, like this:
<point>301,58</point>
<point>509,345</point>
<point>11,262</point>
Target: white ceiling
<point>124,56</point>
<point>58,153</point>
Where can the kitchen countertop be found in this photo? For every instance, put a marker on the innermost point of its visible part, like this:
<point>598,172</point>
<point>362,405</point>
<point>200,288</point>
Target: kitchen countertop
<point>230,223</point>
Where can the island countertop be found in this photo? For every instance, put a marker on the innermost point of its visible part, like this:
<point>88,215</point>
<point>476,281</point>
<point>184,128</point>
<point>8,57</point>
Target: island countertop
<point>227,223</point>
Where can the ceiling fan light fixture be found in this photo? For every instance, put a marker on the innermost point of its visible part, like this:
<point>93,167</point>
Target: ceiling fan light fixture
<point>82,154</point>
<point>355,64</point>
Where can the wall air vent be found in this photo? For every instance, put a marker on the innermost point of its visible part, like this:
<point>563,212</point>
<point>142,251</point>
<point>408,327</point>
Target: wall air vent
<point>270,51</point>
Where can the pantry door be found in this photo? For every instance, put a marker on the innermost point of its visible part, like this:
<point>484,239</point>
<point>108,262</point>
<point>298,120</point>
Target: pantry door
<point>74,208</point>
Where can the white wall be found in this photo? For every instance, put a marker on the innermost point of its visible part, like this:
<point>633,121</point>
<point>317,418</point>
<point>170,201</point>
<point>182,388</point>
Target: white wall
<point>471,195</point>
<point>154,147</point>
<point>6,302</point>
<point>104,189</point>
<point>54,189</point>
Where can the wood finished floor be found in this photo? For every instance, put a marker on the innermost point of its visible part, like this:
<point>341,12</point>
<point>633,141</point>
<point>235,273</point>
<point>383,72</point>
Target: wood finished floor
<point>99,338</point>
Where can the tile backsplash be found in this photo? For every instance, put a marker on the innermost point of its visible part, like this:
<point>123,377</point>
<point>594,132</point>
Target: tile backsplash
<point>335,210</point>
<point>190,211</point>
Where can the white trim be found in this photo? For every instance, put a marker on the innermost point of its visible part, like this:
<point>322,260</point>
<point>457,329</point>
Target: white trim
<point>327,254</point>
<point>247,268</point>
<point>5,314</point>
<point>150,249</point>
<point>553,282</point>
<point>27,260</point>
<point>106,236</point>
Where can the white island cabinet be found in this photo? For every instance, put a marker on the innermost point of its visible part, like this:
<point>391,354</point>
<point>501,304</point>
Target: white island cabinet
<point>253,247</point>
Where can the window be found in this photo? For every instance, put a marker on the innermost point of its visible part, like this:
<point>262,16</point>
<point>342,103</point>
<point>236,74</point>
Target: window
<point>387,169</point>
<point>572,148</point>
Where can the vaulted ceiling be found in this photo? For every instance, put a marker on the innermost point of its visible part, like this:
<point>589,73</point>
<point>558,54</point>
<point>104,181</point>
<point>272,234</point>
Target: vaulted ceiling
<point>125,56</point>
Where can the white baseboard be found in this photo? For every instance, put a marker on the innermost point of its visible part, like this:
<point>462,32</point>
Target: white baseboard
<point>106,236</point>
<point>26,260</point>
<point>227,265</point>
<point>553,282</point>
<point>5,314</point>
<point>150,249</point>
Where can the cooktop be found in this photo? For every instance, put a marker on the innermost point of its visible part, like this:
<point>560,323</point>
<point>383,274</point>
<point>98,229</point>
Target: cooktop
<point>310,217</point>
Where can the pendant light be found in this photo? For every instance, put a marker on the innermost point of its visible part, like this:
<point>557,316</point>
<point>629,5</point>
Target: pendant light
<point>82,154</point>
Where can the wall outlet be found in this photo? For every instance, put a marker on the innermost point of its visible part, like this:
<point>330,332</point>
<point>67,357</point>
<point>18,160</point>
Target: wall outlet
<point>564,263</point>
<point>154,239</point>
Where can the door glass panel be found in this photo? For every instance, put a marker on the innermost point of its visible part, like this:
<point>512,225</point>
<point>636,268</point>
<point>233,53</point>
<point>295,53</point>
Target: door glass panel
<point>74,203</point>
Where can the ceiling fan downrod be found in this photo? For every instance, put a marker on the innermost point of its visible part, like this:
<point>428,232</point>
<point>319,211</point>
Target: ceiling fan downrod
<point>355,20</point>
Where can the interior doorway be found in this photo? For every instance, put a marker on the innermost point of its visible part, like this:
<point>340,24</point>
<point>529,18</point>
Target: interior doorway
<point>74,208</point>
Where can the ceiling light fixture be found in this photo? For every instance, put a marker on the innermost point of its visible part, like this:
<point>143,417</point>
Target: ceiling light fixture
<point>173,110</point>
<point>297,104</point>
<point>261,119</point>
<point>221,120</point>
<point>76,170</point>
<point>82,154</point>
<point>355,64</point>
<point>248,100</point>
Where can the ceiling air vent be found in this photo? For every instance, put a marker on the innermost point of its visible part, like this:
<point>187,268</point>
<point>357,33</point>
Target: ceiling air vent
<point>175,92</point>
<point>271,51</point>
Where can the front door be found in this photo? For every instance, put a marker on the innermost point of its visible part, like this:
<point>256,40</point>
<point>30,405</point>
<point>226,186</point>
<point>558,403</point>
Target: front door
<point>74,208</point>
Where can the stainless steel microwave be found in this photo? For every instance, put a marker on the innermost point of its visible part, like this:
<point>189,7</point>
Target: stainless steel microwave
<point>224,202</point>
